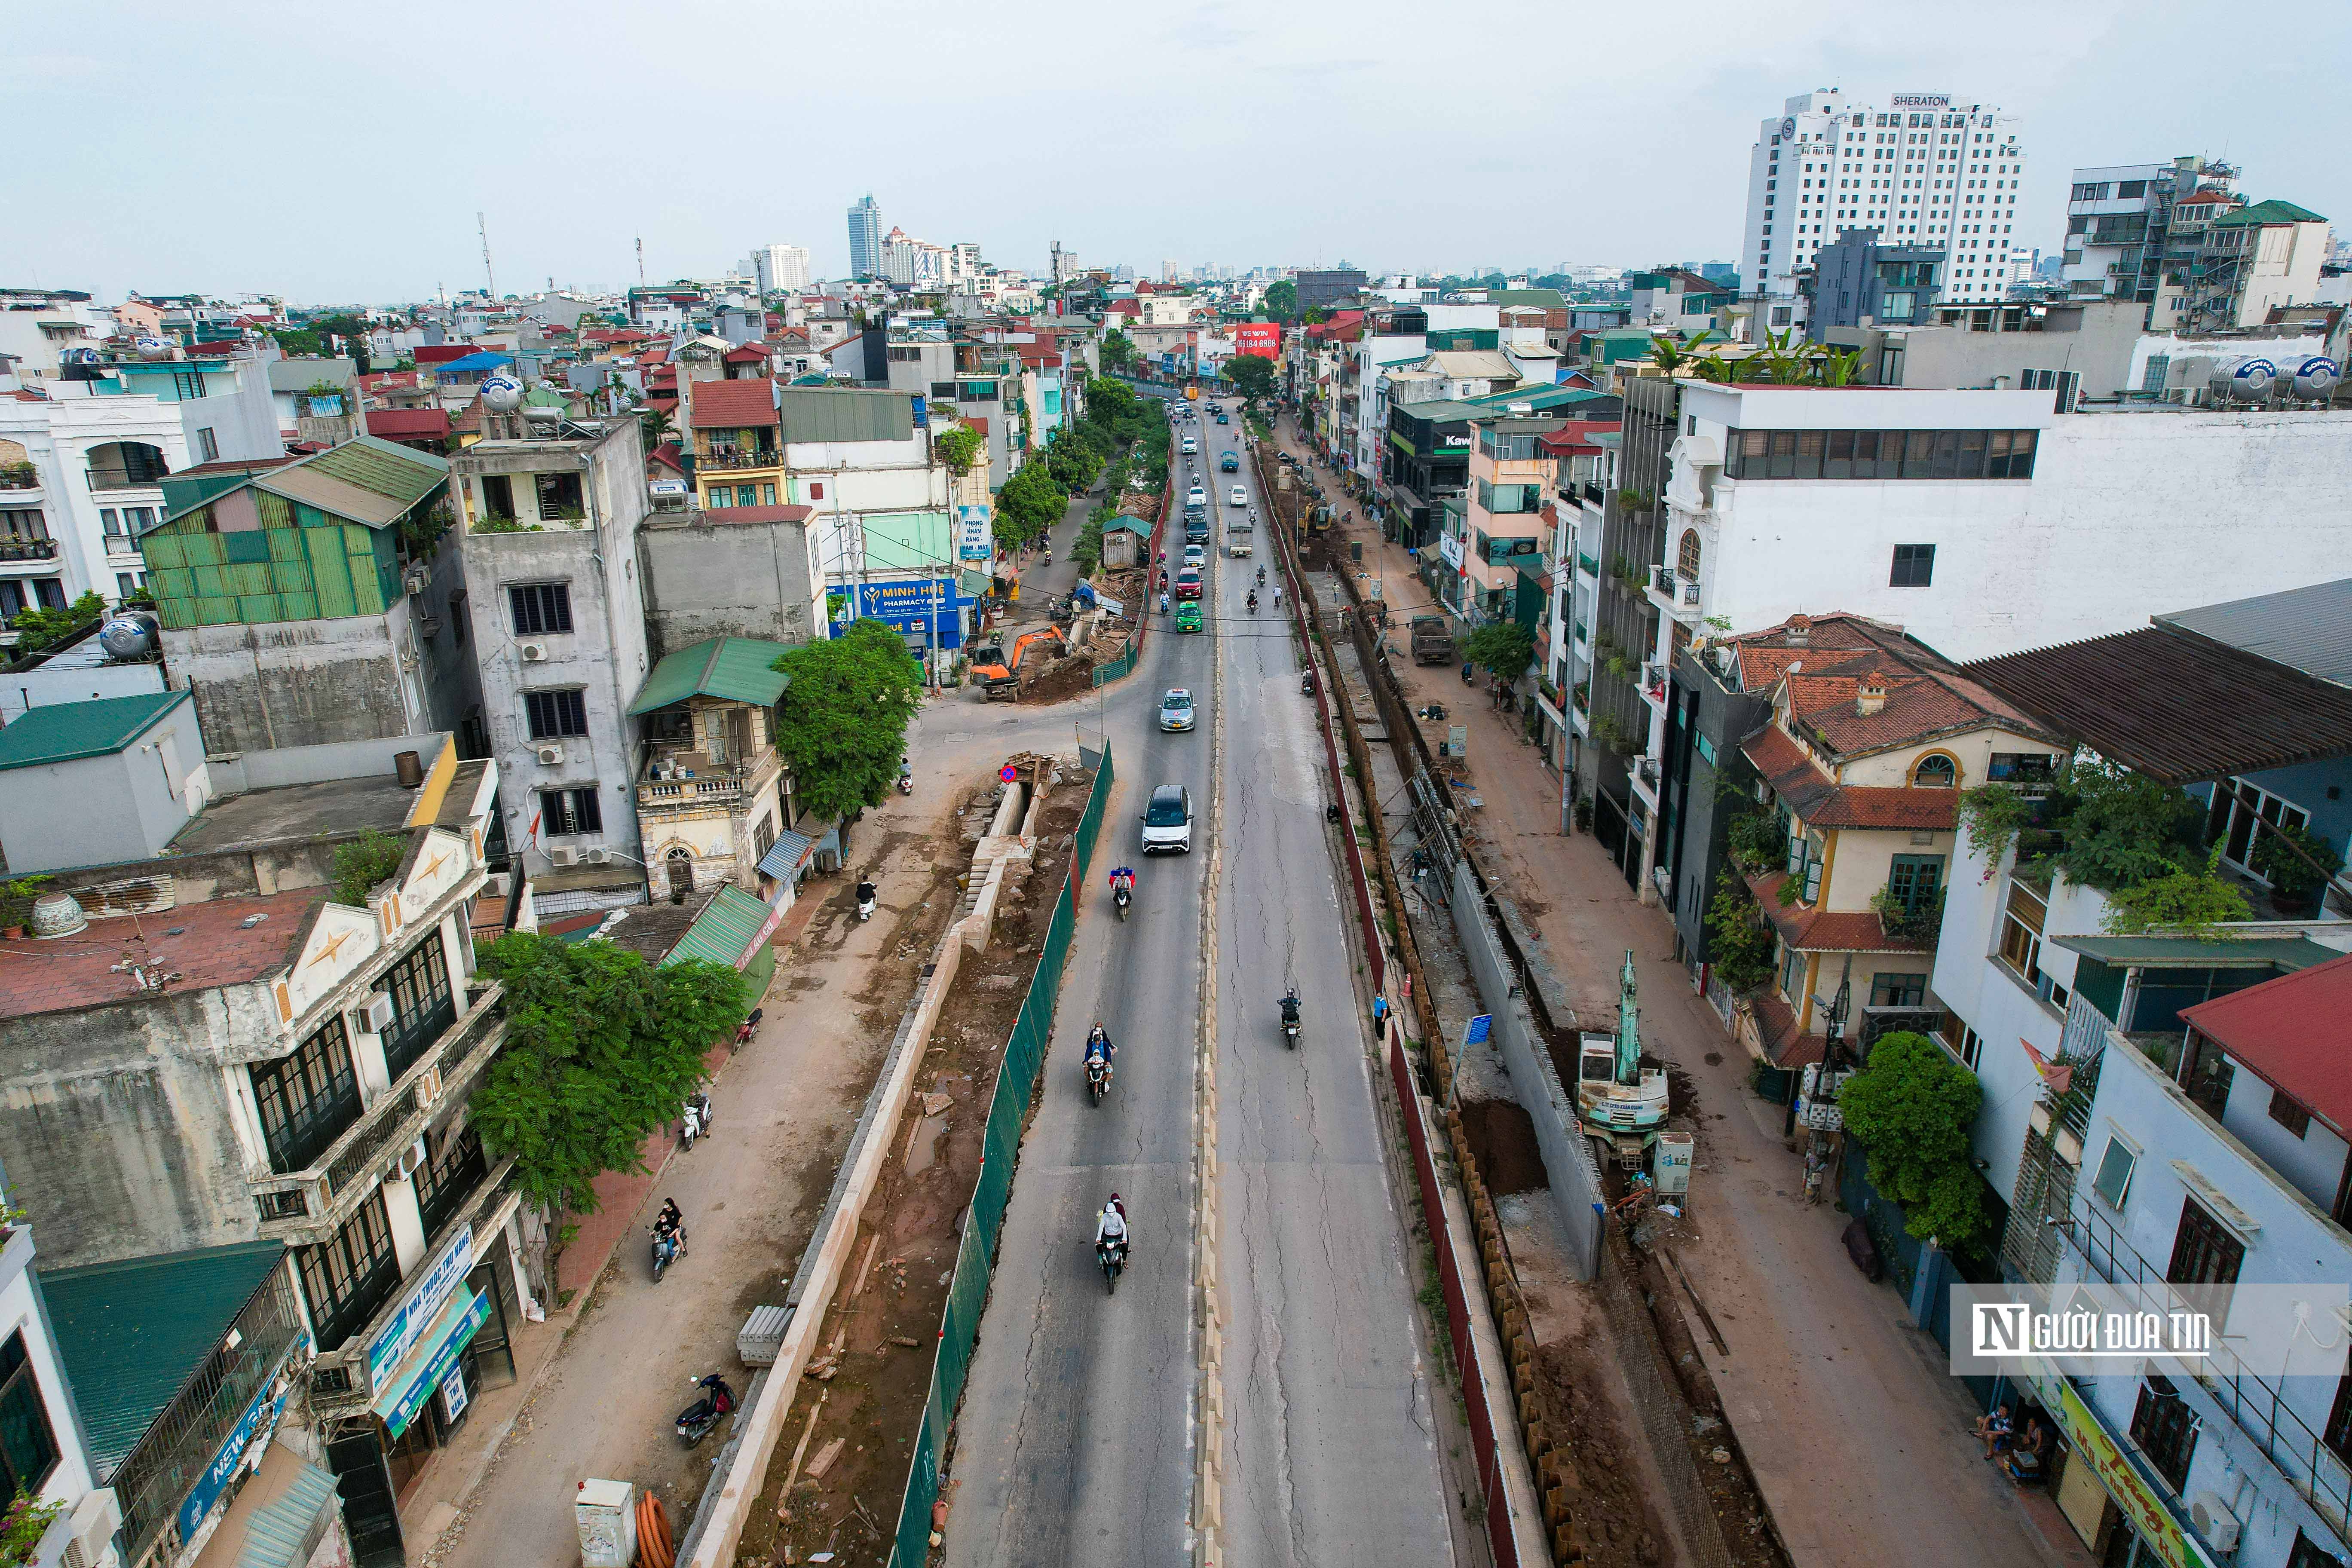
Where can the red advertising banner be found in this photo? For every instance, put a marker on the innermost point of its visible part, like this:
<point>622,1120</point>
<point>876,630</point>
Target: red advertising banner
<point>1263,339</point>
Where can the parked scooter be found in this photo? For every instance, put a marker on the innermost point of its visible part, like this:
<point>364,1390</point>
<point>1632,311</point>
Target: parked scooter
<point>697,1420</point>
<point>694,1120</point>
<point>1307,683</point>
<point>866,892</point>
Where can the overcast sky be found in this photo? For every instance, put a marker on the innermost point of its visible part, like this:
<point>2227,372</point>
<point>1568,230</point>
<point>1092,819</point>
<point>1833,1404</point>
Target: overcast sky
<point>336,153</point>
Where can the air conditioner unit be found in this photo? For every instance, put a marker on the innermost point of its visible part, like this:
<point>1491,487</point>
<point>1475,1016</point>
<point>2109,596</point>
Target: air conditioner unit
<point>94,1522</point>
<point>2214,1522</point>
<point>563,857</point>
<point>412,1160</point>
<point>597,857</point>
<point>372,1017</point>
<point>416,579</point>
<point>531,652</point>
<point>550,756</point>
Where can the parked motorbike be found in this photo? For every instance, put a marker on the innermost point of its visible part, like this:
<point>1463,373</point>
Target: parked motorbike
<point>866,892</point>
<point>670,1246</point>
<point>1112,1257</point>
<point>1306,684</point>
<point>1098,1079</point>
<point>694,1120</point>
<point>697,1420</point>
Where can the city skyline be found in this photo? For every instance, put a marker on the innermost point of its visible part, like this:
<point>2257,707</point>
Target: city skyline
<point>1671,185</point>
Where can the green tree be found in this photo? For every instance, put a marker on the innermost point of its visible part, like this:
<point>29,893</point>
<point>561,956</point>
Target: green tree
<point>1028,504</point>
<point>1505,647</point>
<point>1281,300</point>
<point>2123,829</point>
<point>295,342</point>
<point>1254,374</point>
<point>655,426</point>
<point>361,863</point>
<point>1071,462</point>
<point>958,449</point>
<point>1912,1108</point>
<point>1110,403</point>
<point>601,1048</point>
<point>1117,350</point>
<point>1739,941</point>
<point>844,720</point>
<point>38,629</point>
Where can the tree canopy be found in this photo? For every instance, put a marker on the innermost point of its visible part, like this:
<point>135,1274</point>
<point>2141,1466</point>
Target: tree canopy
<point>1252,373</point>
<point>601,1048</point>
<point>1029,503</point>
<point>1117,349</point>
<point>1912,1108</point>
<point>1281,300</point>
<point>843,725</point>
<point>1505,647</point>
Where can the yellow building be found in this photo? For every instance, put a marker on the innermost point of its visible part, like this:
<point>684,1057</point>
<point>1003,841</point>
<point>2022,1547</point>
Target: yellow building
<point>738,447</point>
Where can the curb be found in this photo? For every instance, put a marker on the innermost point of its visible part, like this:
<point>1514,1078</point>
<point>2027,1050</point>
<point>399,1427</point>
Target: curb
<point>1208,1480</point>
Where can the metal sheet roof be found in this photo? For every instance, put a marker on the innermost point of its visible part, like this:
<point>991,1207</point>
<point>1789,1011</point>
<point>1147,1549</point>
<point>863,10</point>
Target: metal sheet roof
<point>131,1333</point>
<point>724,930</point>
<point>737,668</point>
<point>2289,1031</point>
<point>846,413</point>
<point>65,732</point>
<point>784,855</point>
<point>2159,952</point>
<point>330,494</point>
<point>2177,708</point>
<point>2307,628</point>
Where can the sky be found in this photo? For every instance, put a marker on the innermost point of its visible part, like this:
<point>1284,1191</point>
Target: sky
<point>338,154</point>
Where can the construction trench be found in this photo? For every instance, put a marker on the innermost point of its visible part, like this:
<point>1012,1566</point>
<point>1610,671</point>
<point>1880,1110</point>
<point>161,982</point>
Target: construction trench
<point>1621,1419</point>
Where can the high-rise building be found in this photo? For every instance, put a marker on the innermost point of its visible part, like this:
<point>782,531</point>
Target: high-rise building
<point>865,238</point>
<point>2120,239</point>
<point>1924,170</point>
<point>781,267</point>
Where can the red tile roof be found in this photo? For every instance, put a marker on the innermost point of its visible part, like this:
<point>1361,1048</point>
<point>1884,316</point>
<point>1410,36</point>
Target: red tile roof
<point>1577,435</point>
<point>667,456</point>
<point>749,353</point>
<point>1776,1027</point>
<point>220,348</point>
<point>408,424</point>
<point>734,405</point>
<point>2289,1031</point>
<point>1810,929</point>
<point>662,401</point>
<point>200,946</point>
<point>1821,802</point>
<point>441,353</point>
<point>1825,664</point>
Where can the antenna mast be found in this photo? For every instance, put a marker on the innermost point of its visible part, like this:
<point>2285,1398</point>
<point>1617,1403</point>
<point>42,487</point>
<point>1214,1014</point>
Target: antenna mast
<point>490,281</point>
<point>641,261</point>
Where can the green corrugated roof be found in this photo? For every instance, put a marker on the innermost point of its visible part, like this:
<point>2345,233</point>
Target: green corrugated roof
<point>131,1333</point>
<point>398,473</point>
<point>62,731</point>
<point>1551,298</point>
<point>1542,399</point>
<point>2272,211</point>
<point>2159,952</point>
<point>735,668</point>
<point>722,933</point>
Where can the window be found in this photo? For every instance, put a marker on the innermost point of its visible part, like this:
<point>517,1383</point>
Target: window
<point>24,526</point>
<point>307,1100</point>
<point>1687,557</point>
<point>2115,1167</point>
<point>497,498</point>
<point>1805,862</point>
<point>2162,1428</point>
<point>2204,1250</point>
<point>2308,1554</point>
<point>2289,1113</point>
<point>1915,566</point>
<point>1935,770</point>
<point>559,495</point>
<point>1899,990</point>
<point>565,812</point>
<point>422,1006</point>
<point>1914,881</point>
<point>207,445</point>
<point>28,1449</point>
<point>556,713</point>
<point>1793,975</point>
<point>1881,453</point>
<point>2029,772</point>
<point>2021,932</point>
<point>540,607</point>
<point>1970,1045</point>
<point>348,1277</point>
<point>2239,812</point>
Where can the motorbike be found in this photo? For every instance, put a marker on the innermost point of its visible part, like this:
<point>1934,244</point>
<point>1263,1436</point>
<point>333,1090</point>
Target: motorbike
<point>1252,604</point>
<point>1306,684</point>
<point>697,1420</point>
<point>1290,1022</point>
<point>1466,668</point>
<point>1112,1257</point>
<point>670,1246</point>
<point>1098,1077</point>
<point>694,1120</point>
<point>905,784</point>
<point>865,901</point>
<point>1122,897</point>
<point>748,1029</point>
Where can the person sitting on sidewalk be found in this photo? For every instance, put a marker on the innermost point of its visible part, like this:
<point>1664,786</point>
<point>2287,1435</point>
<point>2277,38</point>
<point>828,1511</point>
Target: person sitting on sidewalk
<point>1994,1430</point>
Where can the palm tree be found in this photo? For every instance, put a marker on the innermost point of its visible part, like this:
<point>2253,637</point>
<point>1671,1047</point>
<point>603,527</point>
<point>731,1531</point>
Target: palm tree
<point>1840,368</point>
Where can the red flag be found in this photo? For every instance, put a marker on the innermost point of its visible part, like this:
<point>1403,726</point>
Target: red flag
<point>2059,1075</point>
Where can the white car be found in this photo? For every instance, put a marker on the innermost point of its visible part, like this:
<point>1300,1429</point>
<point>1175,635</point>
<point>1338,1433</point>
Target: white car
<point>1237,497</point>
<point>1196,496</point>
<point>1195,554</point>
<point>1168,821</point>
<point>1176,710</point>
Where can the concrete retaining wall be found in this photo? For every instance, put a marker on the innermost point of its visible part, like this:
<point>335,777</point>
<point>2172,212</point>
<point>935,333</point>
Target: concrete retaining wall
<point>1575,1179</point>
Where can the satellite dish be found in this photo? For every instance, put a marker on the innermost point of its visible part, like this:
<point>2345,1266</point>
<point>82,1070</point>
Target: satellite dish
<point>501,394</point>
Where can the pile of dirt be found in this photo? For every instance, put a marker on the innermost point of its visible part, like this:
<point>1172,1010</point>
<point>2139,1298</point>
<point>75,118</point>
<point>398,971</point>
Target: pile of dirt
<point>1619,1521</point>
<point>1072,675</point>
<point>840,1470</point>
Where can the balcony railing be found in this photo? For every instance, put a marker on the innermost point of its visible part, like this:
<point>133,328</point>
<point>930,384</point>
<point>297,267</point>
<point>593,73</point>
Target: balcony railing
<point>730,460</point>
<point>29,549</point>
<point>333,1182</point>
<point>126,478</point>
<point>709,781</point>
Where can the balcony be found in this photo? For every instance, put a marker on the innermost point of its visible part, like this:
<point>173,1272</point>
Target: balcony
<point>306,1206</point>
<point>729,461</point>
<point>1674,594</point>
<point>691,778</point>
<point>29,551</point>
<point>1654,684</point>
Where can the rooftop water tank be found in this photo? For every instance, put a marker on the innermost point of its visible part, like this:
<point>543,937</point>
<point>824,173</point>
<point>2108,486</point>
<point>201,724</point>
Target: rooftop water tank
<point>501,394</point>
<point>128,635</point>
<point>2314,378</point>
<point>2243,378</point>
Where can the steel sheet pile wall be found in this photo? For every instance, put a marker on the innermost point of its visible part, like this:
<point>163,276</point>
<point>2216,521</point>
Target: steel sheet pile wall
<point>1008,1113</point>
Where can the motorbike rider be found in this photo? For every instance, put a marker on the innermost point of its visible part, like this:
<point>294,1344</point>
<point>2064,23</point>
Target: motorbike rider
<point>1122,877</point>
<point>1290,1005</point>
<point>1111,1226</point>
<point>1253,602</point>
<point>1260,576</point>
<point>1163,602</point>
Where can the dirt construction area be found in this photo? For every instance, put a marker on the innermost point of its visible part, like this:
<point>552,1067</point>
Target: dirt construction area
<point>840,1468</point>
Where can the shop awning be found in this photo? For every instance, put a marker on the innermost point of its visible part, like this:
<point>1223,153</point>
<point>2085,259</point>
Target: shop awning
<point>433,1359</point>
<point>784,855</point>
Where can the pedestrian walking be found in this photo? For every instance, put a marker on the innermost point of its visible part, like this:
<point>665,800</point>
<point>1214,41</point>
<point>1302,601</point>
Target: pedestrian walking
<point>1380,1013</point>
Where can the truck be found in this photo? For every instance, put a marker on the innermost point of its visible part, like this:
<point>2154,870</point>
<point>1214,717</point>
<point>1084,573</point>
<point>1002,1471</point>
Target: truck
<point>1237,534</point>
<point>998,676</point>
<point>1432,643</point>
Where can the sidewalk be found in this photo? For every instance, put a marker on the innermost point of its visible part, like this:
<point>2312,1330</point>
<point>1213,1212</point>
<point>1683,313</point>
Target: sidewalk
<point>1855,1435</point>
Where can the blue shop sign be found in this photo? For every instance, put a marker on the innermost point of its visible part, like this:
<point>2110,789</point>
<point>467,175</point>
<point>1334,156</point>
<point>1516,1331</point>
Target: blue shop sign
<point>916,605</point>
<point>259,1420</point>
<point>450,1334</point>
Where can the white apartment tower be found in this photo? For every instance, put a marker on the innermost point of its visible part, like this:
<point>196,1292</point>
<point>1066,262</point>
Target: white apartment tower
<point>780,267</point>
<point>1923,170</point>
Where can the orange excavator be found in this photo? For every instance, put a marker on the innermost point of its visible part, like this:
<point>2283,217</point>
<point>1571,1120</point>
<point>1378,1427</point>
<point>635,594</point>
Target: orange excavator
<point>1000,676</point>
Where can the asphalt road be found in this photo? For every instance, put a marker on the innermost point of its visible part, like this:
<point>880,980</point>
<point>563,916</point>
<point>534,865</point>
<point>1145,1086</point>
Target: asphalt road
<point>1074,1444</point>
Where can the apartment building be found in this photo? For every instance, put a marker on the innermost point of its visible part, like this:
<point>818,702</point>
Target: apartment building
<point>80,477</point>
<point>714,795</point>
<point>256,1131</point>
<point>2119,244</point>
<point>1924,169</point>
<point>2161,1108</point>
<point>1496,530</point>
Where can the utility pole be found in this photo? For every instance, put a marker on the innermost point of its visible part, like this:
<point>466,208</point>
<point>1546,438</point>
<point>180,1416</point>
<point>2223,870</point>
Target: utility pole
<point>481,227</point>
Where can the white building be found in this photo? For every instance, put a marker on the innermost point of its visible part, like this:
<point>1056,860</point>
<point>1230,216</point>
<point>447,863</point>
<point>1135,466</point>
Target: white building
<point>69,524</point>
<point>1923,170</point>
<point>2118,221</point>
<point>780,267</point>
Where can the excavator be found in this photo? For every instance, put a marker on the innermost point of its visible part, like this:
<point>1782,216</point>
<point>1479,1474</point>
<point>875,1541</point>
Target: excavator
<point>1000,676</point>
<point>1621,1103</point>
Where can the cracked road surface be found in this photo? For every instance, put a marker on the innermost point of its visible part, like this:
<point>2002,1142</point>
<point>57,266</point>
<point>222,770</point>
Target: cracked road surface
<point>1075,1443</point>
